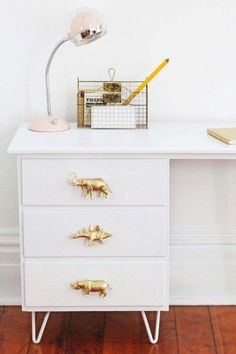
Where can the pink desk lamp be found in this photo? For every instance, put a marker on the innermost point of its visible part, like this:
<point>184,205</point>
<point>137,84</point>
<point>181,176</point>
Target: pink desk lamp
<point>86,26</point>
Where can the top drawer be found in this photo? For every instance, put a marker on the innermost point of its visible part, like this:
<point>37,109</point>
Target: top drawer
<point>132,181</point>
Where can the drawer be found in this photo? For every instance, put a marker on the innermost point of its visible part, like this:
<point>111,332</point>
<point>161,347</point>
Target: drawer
<point>132,283</point>
<point>136,231</point>
<point>132,181</point>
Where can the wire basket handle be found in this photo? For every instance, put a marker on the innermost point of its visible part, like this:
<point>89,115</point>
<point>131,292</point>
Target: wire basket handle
<point>111,73</point>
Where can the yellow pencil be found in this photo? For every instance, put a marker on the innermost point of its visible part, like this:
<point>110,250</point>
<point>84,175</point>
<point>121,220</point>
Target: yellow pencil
<point>144,83</point>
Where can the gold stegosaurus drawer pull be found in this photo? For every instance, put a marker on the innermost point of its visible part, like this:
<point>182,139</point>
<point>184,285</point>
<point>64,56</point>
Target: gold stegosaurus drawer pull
<point>99,286</point>
<point>92,234</point>
<point>91,185</point>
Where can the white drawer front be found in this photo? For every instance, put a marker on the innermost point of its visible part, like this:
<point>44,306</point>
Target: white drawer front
<point>137,231</point>
<point>132,283</point>
<point>132,181</point>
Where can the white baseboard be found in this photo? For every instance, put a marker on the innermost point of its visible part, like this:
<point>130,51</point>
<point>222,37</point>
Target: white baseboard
<point>196,301</point>
<point>202,270</point>
<point>10,284</point>
<point>9,267</point>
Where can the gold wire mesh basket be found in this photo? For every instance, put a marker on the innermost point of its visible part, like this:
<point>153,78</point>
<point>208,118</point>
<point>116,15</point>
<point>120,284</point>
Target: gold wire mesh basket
<point>103,105</point>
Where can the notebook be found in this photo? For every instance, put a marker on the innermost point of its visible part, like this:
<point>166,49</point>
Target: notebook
<point>227,135</point>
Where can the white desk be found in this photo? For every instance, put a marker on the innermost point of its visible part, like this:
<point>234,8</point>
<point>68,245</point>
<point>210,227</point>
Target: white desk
<point>135,164</point>
<point>175,140</point>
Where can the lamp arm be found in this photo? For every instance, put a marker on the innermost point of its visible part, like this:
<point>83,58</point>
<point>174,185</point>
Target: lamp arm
<point>47,83</point>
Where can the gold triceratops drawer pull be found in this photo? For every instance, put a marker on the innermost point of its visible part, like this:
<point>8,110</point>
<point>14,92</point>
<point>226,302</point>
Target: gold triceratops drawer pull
<point>87,286</point>
<point>91,185</point>
<point>92,234</point>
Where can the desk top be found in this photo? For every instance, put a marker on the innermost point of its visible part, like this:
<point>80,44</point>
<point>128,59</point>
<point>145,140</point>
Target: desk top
<point>161,138</point>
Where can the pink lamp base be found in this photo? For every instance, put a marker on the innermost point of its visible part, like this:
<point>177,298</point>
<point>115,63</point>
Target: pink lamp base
<point>45,124</point>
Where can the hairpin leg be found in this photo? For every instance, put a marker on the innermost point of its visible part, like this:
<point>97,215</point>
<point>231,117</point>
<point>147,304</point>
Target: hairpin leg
<point>152,339</point>
<point>43,325</point>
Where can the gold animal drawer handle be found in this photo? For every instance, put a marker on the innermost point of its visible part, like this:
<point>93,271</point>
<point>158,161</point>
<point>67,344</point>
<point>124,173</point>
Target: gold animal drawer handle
<point>92,234</point>
<point>87,286</point>
<point>90,185</point>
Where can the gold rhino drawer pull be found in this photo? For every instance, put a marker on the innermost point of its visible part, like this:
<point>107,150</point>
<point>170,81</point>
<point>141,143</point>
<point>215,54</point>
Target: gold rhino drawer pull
<point>92,234</point>
<point>96,286</point>
<point>90,185</point>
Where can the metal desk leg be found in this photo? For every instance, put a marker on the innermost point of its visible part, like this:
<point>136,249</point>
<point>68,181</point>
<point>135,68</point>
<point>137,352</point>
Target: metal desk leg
<point>40,334</point>
<point>152,339</point>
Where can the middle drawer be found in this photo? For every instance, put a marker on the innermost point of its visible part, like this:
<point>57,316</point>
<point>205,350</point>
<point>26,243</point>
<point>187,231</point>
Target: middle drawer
<point>136,231</point>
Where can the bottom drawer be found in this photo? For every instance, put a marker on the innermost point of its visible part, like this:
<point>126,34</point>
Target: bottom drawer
<point>132,283</point>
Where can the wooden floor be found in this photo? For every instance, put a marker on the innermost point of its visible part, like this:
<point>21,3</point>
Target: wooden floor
<point>184,330</point>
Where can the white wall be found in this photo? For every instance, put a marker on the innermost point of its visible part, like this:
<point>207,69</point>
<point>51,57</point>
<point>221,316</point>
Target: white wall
<point>199,84</point>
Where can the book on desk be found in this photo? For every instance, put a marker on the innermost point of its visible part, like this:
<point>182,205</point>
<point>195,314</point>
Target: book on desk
<point>227,135</point>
